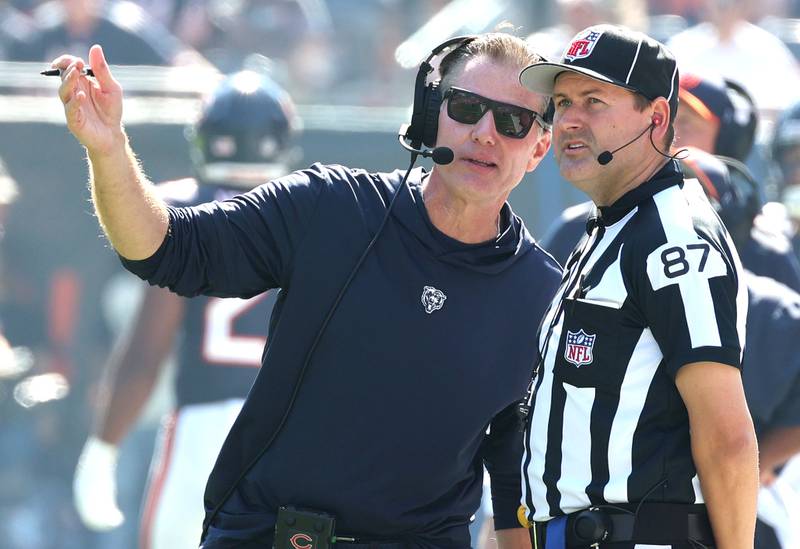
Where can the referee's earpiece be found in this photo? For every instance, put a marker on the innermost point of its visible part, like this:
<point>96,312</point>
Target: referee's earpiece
<point>428,99</point>
<point>656,120</point>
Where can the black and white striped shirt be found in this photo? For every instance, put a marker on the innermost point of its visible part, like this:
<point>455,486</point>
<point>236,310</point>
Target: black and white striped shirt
<point>655,285</point>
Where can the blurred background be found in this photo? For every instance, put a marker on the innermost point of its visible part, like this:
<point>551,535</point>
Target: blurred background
<point>350,67</point>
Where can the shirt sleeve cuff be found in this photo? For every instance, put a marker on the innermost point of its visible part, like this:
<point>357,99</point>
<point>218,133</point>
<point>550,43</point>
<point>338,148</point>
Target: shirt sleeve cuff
<point>505,514</point>
<point>722,355</point>
<point>146,268</point>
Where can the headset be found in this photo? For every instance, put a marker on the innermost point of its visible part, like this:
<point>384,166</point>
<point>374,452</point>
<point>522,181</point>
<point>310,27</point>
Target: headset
<point>422,130</point>
<point>607,156</point>
<point>424,126</point>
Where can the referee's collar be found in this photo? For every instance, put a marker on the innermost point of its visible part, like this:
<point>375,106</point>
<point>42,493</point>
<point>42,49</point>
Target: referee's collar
<point>670,174</point>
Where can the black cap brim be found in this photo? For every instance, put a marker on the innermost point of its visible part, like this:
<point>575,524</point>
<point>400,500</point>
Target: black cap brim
<point>541,77</point>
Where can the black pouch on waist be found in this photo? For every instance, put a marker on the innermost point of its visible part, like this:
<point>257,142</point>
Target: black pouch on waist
<point>303,529</point>
<point>588,527</point>
<point>651,523</point>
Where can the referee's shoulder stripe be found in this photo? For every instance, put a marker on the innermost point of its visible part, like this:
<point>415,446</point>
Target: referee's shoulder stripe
<point>675,215</point>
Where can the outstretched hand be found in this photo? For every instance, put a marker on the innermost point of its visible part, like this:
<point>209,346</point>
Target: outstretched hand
<point>93,106</point>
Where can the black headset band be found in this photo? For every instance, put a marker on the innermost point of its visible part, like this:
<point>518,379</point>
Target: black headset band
<point>460,40</point>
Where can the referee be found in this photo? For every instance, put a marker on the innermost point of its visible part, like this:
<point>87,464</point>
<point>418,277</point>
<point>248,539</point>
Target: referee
<point>638,433</point>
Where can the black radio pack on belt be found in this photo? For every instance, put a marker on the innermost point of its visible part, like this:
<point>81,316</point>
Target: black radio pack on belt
<point>303,529</point>
<point>587,527</point>
<point>648,523</point>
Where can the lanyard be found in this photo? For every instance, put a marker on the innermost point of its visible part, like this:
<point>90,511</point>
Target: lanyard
<point>568,282</point>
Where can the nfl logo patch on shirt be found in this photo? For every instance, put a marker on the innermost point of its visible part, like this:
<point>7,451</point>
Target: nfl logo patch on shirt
<point>578,350</point>
<point>582,46</point>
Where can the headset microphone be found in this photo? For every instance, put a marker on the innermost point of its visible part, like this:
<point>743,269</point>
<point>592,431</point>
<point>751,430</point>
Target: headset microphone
<point>440,155</point>
<point>607,156</point>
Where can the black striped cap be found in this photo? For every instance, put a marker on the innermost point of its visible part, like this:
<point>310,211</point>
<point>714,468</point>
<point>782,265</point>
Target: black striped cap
<point>615,55</point>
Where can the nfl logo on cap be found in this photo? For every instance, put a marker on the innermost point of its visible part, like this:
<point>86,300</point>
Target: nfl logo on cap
<point>614,55</point>
<point>582,46</point>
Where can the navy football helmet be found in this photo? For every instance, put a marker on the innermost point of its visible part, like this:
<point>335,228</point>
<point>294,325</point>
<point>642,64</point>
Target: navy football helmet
<point>727,102</point>
<point>246,132</point>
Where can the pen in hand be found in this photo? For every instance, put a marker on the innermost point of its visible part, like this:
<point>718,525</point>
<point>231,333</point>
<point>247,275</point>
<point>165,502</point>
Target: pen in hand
<point>57,72</point>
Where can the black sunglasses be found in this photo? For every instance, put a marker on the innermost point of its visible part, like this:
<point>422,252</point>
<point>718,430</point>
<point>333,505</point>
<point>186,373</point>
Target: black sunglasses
<point>510,120</point>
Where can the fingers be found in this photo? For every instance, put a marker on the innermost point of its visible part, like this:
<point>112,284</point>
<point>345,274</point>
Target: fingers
<point>93,106</point>
<point>73,93</point>
<point>74,111</point>
<point>64,61</point>
<point>71,76</point>
<point>97,60</point>
<point>72,68</point>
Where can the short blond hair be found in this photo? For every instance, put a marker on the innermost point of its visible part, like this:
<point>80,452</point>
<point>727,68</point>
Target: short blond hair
<point>497,46</point>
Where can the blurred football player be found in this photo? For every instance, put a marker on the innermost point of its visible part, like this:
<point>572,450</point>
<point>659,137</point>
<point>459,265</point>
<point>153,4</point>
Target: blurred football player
<point>244,136</point>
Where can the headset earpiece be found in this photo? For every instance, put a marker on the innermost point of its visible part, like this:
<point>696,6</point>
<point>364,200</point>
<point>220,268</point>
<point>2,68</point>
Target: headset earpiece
<point>656,120</point>
<point>432,102</point>
<point>415,132</point>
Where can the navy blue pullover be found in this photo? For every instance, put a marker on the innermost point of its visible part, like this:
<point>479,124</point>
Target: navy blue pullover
<point>430,347</point>
<point>771,375</point>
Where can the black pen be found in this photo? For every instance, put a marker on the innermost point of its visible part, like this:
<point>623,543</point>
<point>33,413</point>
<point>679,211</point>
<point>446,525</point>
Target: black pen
<point>57,72</point>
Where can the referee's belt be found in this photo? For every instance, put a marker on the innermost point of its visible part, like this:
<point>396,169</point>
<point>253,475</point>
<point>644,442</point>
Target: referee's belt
<point>652,523</point>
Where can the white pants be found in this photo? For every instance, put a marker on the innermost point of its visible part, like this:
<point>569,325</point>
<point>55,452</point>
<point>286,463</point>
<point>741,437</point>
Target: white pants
<point>188,445</point>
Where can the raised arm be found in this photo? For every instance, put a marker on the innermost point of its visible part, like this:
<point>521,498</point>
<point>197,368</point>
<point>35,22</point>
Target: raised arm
<point>132,216</point>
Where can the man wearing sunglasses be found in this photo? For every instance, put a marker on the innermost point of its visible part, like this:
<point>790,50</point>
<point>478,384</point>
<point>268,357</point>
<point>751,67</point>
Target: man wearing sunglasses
<point>399,346</point>
<point>638,433</point>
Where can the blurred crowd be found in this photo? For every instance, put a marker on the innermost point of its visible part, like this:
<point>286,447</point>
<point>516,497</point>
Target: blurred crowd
<point>324,52</point>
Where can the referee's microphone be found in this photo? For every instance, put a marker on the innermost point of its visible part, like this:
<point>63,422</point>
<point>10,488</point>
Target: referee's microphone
<point>440,155</point>
<point>607,156</point>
